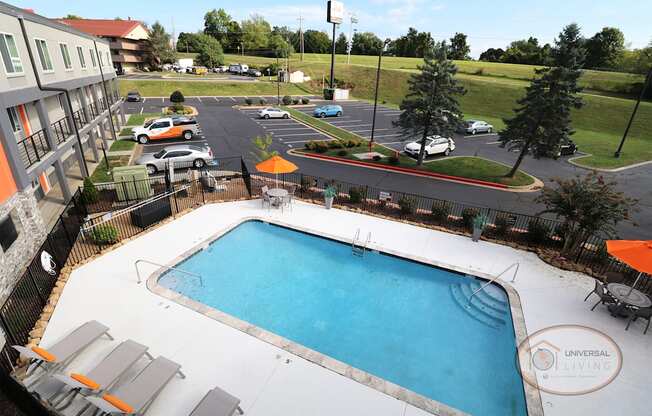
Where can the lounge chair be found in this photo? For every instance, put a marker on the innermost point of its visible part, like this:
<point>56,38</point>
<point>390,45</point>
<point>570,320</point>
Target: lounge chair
<point>135,397</point>
<point>60,354</point>
<point>603,293</point>
<point>217,402</point>
<point>101,378</point>
<point>643,313</point>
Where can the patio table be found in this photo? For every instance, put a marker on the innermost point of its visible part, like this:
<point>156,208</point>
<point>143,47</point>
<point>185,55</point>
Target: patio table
<point>622,294</point>
<point>277,194</point>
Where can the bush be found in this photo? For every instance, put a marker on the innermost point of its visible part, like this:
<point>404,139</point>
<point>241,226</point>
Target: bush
<point>467,217</point>
<point>440,211</point>
<point>249,101</point>
<point>335,144</point>
<point>296,101</point>
<point>408,205</point>
<point>287,100</point>
<point>342,153</point>
<point>377,158</point>
<point>262,101</point>
<point>306,183</point>
<point>393,160</point>
<point>537,232</point>
<point>89,194</point>
<point>321,147</point>
<point>311,145</point>
<point>328,93</point>
<point>355,194</point>
<point>177,97</point>
<point>104,235</point>
<point>501,225</point>
<point>305,100</point>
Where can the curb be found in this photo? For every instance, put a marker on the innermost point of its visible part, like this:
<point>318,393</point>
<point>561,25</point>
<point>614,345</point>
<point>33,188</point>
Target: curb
<point>573,162</point>
<point>407,171</point>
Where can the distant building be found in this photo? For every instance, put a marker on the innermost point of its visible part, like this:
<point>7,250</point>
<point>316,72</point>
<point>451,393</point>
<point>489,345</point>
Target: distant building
<point>129,40</point>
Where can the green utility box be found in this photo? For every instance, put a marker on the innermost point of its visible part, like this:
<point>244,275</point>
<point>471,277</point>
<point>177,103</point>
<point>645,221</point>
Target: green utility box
<point>132,183</point>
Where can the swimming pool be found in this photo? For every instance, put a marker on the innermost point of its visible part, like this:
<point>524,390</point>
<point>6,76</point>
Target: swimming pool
<point>399,320</point>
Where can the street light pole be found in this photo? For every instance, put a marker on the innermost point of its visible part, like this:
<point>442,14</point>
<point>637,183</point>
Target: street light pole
<point>354,19</point>
<point>631,119</point>
<point>373,120</point>
<point>332,83</point>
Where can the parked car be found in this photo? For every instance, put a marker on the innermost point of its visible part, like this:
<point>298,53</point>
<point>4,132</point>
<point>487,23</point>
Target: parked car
<point>434,145</point>
<point>182,154</point>
<point>166,128</point>
<point>328,111</point>
<point>477,126</point>
<point>253,72</point>
<point>567,148</point>
<point>238,68</point>
<point>134,96</point>
<point>271,112</point>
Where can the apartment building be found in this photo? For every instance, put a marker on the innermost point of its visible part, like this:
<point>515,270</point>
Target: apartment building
<point>59,103</point>
<point>129,40</point>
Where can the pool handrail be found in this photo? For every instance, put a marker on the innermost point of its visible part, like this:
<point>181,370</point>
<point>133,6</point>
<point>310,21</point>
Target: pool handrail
<point>517,264</point>
<point>201,280</point>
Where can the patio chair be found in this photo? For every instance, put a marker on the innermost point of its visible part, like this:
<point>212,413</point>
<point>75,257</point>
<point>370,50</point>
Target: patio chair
<point>643,313</point>
<point>60,354</point>
<point>265,197</point>
<point>217,402</point>
<point>102,377</point>
<point>135,397</point>
<point>603,293</point>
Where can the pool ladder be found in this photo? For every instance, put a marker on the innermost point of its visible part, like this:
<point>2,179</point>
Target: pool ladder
<point>359,249</point>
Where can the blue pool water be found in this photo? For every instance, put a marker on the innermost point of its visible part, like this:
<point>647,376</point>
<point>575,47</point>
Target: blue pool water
<point>397,319</point>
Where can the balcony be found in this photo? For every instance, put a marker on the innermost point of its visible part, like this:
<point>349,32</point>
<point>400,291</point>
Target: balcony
<point>62,129</point>
<point>33,148</point>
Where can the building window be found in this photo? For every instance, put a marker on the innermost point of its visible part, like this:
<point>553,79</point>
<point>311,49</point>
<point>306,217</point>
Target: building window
<point>65,54</point>
<point>9,229</point>
<point>44,55</point>
<point>93,61</point>
<point>10,56</point>
<point>101,60</point>
<point>14,119</point>
<point>82,61</point>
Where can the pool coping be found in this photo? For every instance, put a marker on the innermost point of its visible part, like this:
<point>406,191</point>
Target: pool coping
<point>532,395</point>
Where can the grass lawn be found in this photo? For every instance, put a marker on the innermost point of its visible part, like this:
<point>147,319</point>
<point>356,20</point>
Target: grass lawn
<point>139,119</point>
<point>205,88</point>
<point>120,145</point>
<point>100,174</point>
<point>126,131</point>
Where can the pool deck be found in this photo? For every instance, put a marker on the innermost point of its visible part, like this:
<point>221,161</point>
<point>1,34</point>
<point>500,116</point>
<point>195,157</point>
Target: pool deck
<point>272,381</point>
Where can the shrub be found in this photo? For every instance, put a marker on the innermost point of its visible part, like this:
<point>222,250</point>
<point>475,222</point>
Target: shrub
<point>328,93</point>
<point>89,194</point>
<point>342,153</point>
<point>440,211</point>
<point>287,100</point>
<point>537,232</point>
<point>262,101</point>
<point>249,101</point>
<point>296,101</point>
<point>104,235</point>
<point>393,160</point>
<point>501,225</point>
<point>321,147</point>
<point>305,100</point>
<point>335,144</point>
<point>355,194</point>
<point>306,183</point>
<point>377,158</point>
<point>467,217</point>
<point>177,97</point>
<point>408,205</point>
<point>311,145</point>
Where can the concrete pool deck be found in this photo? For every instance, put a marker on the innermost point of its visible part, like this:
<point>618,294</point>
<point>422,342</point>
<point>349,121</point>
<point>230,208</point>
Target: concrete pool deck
<point>273,381</point>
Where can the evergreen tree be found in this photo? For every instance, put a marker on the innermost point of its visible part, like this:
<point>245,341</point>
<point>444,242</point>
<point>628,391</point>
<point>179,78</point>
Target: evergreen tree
<point>161,51</point>
<point>543,119</point>
<point>459,48</point>
<point>431,106</point>
<point>341,44</point>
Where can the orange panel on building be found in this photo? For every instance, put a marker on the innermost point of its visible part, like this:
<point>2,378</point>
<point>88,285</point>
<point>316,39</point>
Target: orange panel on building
<point>7,183</point>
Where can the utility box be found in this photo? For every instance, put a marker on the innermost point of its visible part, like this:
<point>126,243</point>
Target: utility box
<point>131,183</point>
<point>340,94</point>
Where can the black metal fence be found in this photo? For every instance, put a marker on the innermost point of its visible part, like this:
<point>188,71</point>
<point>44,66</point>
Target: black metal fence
<point>33,148</point>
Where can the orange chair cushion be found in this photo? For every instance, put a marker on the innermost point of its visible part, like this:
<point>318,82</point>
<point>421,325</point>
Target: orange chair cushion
<point>45,354</point>
<point>119,404</point>
<point>85,381</point>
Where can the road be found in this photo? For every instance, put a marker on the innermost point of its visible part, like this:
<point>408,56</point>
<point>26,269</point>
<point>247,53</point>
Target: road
<point>229,132</point>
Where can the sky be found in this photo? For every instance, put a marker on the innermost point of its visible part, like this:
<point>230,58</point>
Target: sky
<point>487,23</point>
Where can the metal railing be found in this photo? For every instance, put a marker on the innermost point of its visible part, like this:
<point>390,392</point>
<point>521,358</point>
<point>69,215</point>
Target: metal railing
<point>79,118</point>
<point>481,288</point>
<point>33,148</point>
<point>137,262</point>
<point>62,130</point>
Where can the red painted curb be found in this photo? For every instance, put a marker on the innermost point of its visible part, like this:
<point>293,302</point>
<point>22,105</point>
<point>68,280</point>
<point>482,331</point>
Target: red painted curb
<point>407,170</point>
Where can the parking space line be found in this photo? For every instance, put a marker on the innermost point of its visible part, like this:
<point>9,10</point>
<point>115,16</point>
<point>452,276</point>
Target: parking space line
<point>216,99</point>
<point>348,121</point>
<point>494,142</point>
<point>199,98</point>
<point>480,135</point>
<point>144,100</point>
<point>291,129</point>
<point>301,134</point>
<point>141,110</point>
<point>362,131</point>
<point>302,141</point>
<point>174,143</point>
<point>233,99</point>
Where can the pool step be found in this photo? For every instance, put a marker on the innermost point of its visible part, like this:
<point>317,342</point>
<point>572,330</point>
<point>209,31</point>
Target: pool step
<point>494,316</point>
<point>490,296</point>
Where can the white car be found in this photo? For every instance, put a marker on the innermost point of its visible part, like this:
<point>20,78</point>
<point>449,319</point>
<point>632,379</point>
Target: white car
<point>434,145</point>
<point>271,112</point>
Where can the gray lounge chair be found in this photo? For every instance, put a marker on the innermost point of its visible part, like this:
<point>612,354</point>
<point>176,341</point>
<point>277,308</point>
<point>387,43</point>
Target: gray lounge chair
<point>101,378</point>
<point>60,354</point>
<point>603,294</point>
<point>217,402</point>
<point>135,397</point>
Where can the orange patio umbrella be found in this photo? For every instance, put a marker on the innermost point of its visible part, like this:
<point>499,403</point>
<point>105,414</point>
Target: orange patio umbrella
<point>276,165</point>
<point>635,253</point>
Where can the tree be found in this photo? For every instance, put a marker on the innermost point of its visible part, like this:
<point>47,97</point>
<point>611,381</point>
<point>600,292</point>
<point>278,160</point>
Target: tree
<point>459,48</point>
<point>161,51</point>
<point>216,24</point>
<point>255,32</point>
<point>73,17</point>
<point>189,42</point>
<point>279,46</point>
<point>316,42</point>
<point>492,55</point>
<point>262,145</point>
<point>543,119</point>
<point>366,43</point>
<point>588,206</point>
<point>413,44</point>
<point>526,52</point>
<point>605,49</point>
<point>431,105</point>
<point>210,52</point>
<point>234,36</point>
<point>341,44</point>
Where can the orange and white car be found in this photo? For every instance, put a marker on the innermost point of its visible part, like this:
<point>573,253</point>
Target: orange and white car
<point>166,128</point>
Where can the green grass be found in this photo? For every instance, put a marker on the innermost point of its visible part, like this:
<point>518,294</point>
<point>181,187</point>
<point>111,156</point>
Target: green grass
<point>203,88</point>
<point>125,132</point>
<point>139,119</point>
<point>120,145</point>
<point>101,175</point>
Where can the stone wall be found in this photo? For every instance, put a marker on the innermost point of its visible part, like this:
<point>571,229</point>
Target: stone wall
<point>31,234</point>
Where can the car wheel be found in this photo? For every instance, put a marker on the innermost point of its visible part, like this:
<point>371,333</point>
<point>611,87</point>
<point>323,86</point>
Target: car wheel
<point>447,151</point>
<point>266,116</point>
<point>198,163</point>
<point>143,139</point>
<point>322,115</point>
<point>473,132</point>
<point>187,135</point>
<point>339,114</point>
<point>489,131</point>
<point>151,169</point>
<point>286,116</point>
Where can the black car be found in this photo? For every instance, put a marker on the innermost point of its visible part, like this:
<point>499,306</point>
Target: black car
<point>567,148</point>
<point>134,96</point>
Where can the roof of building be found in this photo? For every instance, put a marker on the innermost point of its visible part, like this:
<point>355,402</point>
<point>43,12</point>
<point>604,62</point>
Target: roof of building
<point>103,27</point>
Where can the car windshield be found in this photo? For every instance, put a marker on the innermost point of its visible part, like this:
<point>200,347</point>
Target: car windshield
<point>149,123</point>
<point>159,154</point>
<point>470,122</point>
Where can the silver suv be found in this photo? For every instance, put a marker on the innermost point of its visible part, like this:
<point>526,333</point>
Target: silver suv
<point>183,155</point>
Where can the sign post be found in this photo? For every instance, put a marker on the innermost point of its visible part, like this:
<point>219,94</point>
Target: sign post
<point>335,15</point>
